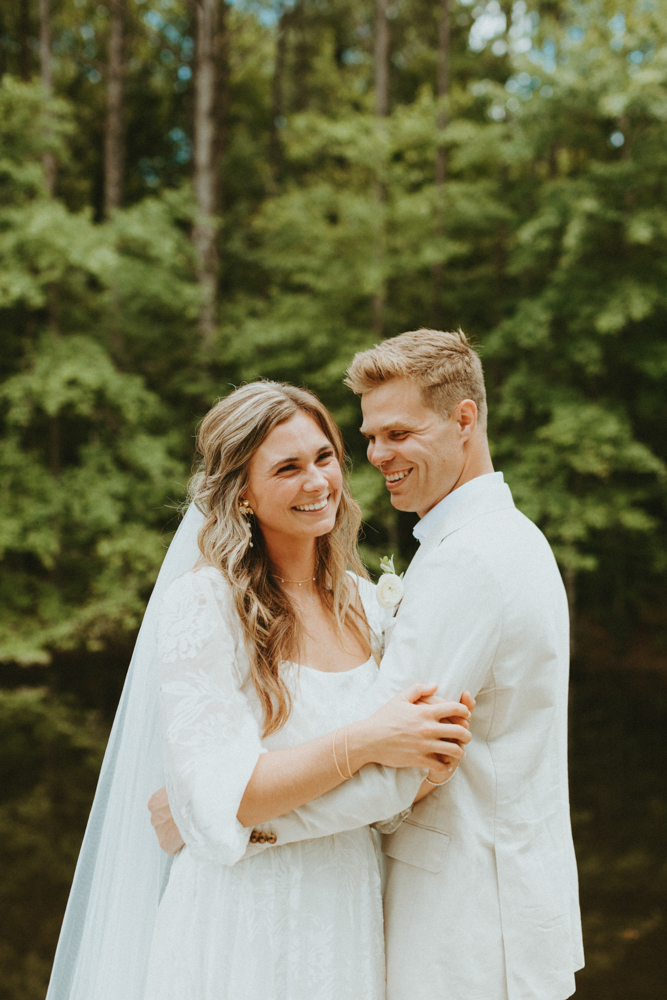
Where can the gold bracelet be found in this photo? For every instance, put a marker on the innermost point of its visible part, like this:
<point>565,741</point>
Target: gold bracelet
<point>347,757</point>
<point>333,747</point>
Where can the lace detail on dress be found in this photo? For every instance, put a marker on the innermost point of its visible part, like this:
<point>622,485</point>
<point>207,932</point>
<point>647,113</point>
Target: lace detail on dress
<point>211,737</point>
<point>186,623</point>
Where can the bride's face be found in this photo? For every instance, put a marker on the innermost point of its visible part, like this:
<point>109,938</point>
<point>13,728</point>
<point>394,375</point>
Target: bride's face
<point>294,480</point>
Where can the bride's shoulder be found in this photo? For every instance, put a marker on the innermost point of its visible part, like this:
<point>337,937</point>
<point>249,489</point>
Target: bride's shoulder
<point>365,587</point>
<point>366,590</point>
<point>201,583</point>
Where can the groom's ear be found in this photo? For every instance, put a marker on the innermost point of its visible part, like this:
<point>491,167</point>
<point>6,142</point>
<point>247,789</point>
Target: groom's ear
<point>465,414</point>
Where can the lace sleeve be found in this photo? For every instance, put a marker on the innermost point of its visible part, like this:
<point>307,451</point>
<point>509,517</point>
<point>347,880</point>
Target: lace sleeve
<point>211,737</point>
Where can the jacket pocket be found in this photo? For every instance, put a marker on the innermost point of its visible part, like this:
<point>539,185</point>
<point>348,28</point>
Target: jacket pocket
<point>421,846</point>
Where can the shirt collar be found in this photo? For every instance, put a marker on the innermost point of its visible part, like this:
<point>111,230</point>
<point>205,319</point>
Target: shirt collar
<point>434,516</point>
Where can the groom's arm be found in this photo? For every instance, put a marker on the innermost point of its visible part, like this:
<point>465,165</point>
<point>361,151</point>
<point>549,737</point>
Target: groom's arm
<point>447,633</point>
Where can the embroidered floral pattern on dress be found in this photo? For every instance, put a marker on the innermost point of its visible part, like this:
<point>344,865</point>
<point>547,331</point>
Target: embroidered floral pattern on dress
<point>186,622</point>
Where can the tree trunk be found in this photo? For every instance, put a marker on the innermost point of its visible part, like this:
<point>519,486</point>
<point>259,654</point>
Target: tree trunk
<point>204,164</point>
<point>222,96</point>
<point>441,154</point>
<point>275,146</point>
<point>25,59</point>
<point>302,57</point>
<point>381,111</point>
<point>114,135</point>
<point>46,72</point>
<point>381,59</point>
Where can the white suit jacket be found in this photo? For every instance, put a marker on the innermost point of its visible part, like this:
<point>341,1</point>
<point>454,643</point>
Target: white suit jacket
<point>482,899</point>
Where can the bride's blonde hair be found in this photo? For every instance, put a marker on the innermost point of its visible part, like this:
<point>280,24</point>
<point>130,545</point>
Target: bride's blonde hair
<point>230,434</point>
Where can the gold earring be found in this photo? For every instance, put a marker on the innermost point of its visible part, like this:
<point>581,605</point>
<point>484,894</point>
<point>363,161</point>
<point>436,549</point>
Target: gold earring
<point>245,508</point>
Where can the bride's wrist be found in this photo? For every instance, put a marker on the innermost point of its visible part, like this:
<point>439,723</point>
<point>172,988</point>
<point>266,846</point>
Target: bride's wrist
<point>360,745</point>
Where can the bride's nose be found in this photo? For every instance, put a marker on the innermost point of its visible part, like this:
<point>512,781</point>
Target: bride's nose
<point>315,480</point>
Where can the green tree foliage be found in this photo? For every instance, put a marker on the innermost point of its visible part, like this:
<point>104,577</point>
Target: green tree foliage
<point>553,255</point>
<point>88,456</point>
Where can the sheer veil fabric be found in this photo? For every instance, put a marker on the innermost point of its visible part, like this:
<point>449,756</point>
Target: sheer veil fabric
<point>121,873</point>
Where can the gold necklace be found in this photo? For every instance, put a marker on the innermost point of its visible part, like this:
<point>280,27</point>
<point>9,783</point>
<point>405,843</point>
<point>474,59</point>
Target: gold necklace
<point>299,583</point>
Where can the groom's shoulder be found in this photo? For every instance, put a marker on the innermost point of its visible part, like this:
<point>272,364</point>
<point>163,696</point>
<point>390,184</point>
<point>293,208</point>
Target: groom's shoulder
<point>504,536</point>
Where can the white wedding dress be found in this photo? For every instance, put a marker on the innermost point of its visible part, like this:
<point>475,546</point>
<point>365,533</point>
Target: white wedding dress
<point>301,921</point>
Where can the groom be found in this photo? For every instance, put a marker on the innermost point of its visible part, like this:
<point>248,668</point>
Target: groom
<point>481,900</point>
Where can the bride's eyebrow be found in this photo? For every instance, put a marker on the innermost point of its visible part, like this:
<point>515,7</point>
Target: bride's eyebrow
<point>284,461</point>
<point>297,458</point>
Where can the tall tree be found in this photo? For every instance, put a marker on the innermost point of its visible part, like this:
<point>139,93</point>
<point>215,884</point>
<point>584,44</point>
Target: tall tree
<point>222,96</point>
<point>205,186</point>
<point>381,112</point>
<point>114,137</point>
<point>275,150</point>
<point>46,72</point>
<point>441,152</point>
<point>25,59</point>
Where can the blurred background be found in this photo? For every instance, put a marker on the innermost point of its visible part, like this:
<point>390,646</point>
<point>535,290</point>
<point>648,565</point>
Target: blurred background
<point>196,194</point>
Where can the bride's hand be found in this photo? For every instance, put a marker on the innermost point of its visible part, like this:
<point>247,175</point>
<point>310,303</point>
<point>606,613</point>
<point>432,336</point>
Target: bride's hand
<point>442,774</point>
<point>408,732</point>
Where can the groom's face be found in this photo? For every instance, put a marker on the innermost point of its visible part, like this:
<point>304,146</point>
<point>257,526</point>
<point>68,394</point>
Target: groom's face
<point>419,453</point>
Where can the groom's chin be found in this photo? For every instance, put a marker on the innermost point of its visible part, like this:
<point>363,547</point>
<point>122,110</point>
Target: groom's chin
<point>401,503</point>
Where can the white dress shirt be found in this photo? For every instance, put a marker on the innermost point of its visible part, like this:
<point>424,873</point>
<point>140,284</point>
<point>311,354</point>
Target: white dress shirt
<point>434,516</point>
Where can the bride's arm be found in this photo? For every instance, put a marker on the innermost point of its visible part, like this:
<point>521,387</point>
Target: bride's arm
<point>401,734</point>
<point>283,780</point>
<point>220,779</point>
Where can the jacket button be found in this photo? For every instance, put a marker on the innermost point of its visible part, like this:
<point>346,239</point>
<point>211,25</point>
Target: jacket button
<point>261,838</point>
<point>253,837</point>
<point>271,838</point>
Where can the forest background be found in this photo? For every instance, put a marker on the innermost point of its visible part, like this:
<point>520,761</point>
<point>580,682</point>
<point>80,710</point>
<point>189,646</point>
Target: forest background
<point>197,194</point>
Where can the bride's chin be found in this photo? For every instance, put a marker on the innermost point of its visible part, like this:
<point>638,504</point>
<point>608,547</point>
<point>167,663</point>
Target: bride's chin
<point>317,529</point>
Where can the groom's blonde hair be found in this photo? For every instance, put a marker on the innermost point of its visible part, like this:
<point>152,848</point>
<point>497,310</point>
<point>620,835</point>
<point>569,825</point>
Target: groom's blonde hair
<point>445,366</point>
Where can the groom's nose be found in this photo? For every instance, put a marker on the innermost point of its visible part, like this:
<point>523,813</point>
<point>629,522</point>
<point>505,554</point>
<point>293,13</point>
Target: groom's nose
<point>379,452</point>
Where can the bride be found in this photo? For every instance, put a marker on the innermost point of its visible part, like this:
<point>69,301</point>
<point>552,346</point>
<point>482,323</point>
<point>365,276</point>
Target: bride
<point>265,646</point>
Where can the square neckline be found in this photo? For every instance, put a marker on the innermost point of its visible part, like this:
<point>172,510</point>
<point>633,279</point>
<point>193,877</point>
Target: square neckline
<point>316,670</point>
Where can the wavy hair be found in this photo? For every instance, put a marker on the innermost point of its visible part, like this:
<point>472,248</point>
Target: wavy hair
<point>229,435</point>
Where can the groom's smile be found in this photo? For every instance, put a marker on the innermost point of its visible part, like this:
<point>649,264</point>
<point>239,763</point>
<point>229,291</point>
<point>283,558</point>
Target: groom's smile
<point>392,479</point>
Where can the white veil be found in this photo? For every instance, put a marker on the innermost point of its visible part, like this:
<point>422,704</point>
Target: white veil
<point>121,872</point>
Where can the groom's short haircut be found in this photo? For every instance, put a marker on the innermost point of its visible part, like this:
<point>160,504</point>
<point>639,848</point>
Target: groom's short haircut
<point>444,366</point>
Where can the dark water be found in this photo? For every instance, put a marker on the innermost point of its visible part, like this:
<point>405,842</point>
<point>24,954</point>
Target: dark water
<point>618,783</point>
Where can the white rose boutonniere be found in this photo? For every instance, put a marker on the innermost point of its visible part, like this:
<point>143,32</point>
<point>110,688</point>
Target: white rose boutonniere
<point>390,589</point>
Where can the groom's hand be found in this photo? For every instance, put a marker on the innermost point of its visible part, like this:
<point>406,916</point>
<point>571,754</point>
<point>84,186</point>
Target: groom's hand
<point>168,834</point>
